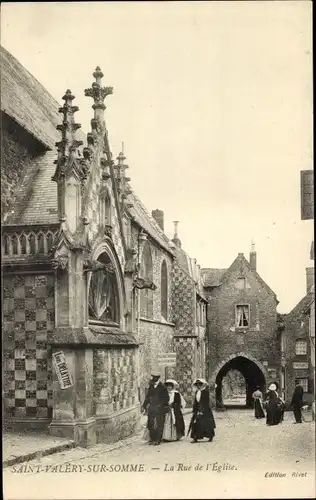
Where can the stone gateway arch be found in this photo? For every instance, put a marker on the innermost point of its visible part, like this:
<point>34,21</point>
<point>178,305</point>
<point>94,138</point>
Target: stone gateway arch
<point>252,370</point>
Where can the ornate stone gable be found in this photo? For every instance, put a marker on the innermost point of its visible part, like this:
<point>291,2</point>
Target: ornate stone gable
<point>106,190</point>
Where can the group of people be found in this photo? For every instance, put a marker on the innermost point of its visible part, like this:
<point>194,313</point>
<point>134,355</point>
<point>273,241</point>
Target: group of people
<point>164,405</point>
<point>275,405</point>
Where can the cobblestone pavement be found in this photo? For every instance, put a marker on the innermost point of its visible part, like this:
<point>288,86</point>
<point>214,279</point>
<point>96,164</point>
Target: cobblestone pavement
<point>246,460</point>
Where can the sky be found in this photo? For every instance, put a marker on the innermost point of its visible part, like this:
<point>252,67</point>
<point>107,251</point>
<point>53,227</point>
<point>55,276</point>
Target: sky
<point>213,101</point>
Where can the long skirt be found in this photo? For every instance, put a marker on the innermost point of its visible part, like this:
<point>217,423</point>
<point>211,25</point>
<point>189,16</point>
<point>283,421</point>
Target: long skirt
<point>259,413</point>
<point>169,430</point>
<point>203,427</point>
<point>274,414</point>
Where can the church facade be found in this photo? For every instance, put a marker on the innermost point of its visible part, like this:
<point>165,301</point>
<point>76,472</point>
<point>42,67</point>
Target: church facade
<point>94,293</point>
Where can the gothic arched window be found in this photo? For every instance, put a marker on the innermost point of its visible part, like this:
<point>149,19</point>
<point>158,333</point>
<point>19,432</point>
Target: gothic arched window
<point>146,295</point>
<point>164,290</point>
<point>103,293</point>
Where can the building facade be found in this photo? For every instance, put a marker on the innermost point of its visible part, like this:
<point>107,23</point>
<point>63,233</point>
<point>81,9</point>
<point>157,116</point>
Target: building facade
<point>189,317</point>
<point>243,330</point>
<point>307,213</point>
<point>92,287</point>
<point>296,345</point>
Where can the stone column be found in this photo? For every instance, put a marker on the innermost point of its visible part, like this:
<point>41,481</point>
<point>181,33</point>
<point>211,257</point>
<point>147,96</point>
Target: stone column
<point>73,413</point>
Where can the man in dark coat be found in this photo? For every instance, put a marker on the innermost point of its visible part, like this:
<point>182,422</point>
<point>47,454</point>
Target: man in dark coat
<point>156,407</point>
<point>297,402</point>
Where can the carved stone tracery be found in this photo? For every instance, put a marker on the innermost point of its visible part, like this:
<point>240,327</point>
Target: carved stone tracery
<point>60,262</point>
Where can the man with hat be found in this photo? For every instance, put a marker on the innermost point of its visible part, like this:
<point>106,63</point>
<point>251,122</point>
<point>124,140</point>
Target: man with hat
<point>297,402</point>
<point>156,407</point>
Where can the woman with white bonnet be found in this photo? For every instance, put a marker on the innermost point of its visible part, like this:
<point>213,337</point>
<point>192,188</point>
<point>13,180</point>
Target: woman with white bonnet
<point>202,423</point>
<point>273,405</point>
<point>174,423</point>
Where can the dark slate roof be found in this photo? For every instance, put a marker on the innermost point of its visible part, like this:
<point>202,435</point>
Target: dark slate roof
<point>301,306</point>
<point>25,100</point>
<point>36,201</point>
<point>147,222</point>
<point>182,260</point>
<point>212,277</point>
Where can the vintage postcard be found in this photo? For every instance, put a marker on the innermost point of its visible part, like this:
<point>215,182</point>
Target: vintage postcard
<point>157,217</point>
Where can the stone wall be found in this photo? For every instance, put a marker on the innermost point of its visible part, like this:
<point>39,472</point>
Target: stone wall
<point>155,334</point>
<point>185,373</point>
<point>155,339</point>
<point>28,322</point>
<point>183,302</point>
<point>116,403</point>
<point>297,328</point>
<point>184,309</point>
<point>260,340</point>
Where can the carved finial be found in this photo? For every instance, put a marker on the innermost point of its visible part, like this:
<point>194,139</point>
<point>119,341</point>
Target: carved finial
<point>98,75</point>
<point>175,238</point>
<point>120,159</point>
<point>98,93</point>
<point>68,145</point>
<point>122,180</point>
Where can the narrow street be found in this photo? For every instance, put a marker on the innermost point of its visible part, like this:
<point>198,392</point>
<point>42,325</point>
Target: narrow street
<point>246,460</point>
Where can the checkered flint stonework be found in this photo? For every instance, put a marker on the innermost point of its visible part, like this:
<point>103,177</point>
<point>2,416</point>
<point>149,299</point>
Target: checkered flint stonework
<point>28,320</point>
<point>123,378</point>
<point>185,348</point>
<point>182,302</point>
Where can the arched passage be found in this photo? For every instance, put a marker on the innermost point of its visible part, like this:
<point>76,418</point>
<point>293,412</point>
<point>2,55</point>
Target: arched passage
<point>250,370</point>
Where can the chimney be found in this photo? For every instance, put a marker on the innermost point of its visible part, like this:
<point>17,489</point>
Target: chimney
<point>158,215</point>
<point>310,279</point>
<point>176,240</point>
<point>253,257</point>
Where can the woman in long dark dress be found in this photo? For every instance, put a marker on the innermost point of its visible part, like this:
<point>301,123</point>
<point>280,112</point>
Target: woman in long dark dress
<point>174,423</point>
<point>257,397</point>
<point>202,422</point>
<point>273,406</point>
